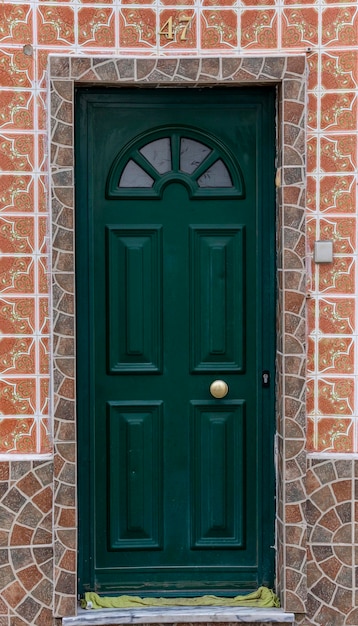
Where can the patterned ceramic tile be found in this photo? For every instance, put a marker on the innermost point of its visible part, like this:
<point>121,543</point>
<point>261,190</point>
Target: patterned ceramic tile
<point>16,110</point>
<point>18,396</point>
<point>311,193</point>
<point>17,355</point>
<point>299,27</point>
<point>338,153</point>
<point>339,70</point>
<point>137,28</point>
<point>259,29</point>
<point>18,435</point>
<point>336,316</point>
<point>17,235</point>
<point>336,355</point>
<point>218,29</point>
<point>55,25</point>
<point>16,152</point>
<point>337,277</point>
<point>342,230</point>
<point>339,26</point>
<point>16,193</point>
<point>339,111</point>
<point>17,316</point>
<point>16,23</point>
<point>96,27</point>
<point>184,29</point>
<point>17,275</point>
<point>334,435</point>
<point>338,194</point>
<point>336,396</point>
<point>16,68</point>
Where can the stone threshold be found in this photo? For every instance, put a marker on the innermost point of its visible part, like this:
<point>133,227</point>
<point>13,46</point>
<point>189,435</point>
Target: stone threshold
<point>177,615</point>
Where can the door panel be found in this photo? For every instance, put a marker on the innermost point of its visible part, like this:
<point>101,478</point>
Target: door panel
<point>175,235</point>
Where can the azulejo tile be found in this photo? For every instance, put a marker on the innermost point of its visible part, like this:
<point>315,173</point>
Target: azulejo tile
<point>228,3</point>
<point>339,26</point>
<point>334,435</point>
<point>137,28</point>
<point>16,69</point>
<point>96,27</point>
<point>336,316</point>
<point>18,396</point>
<point>338,194</point>
<point>310,397</point>
<point>337,277</point>
<point>184,28</point>
<point>55,25</point>
<point>313,64</point>
<point>312,154</point>
<point>16,23</point>
<point>18,435</point>
<point>336,355</point>
<point>44,365</point>
<point>43,276</point>
<point>16,193</point>
<point>16,152</point>
<point>218,29</point>
<point>259,29</point>
<point>336,396</point>
<point>44,320</point>
<point>17,316</point>
<point>43,409</point>
<point>311,193</point>
<point>312,111</point>
<point>17,275</point>
<point>339,111</point>
<point>339,69</point>
<point>17,355</point>
<point>16,110</point>
<point>46,445</point>
<point>299,27</point>
<point>338,153</point>
<point>342,230</point>
<point>17,235</point>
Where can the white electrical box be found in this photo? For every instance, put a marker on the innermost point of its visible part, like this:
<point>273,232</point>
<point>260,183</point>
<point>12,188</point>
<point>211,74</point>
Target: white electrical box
<point>323,251</point>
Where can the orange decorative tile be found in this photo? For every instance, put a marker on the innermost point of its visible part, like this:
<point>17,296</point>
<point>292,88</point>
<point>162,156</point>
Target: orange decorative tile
<point>17,396</point>
<point>43,276</point>
<point>55,25</point>
<point>17,316</point>
<point>336,316</point>
<point>338,194</point>
<point>311,315</point>
<point>310,434</point>
<point>339,70</point>
<point>312,111</point>
<point>42,233</point>
<point>183,31</point>
<point>17,235</point>
<point>259,29</point>
<point>96,27</point>
<point>42,156</point>
<point>17,275</point>
<point>42,108</point>
<point>18,435</point>
<point>218,29</point>
<point>176,2</point>
<point>42,193</point>
<point>46,446</point>
<point>311,355</point>
<point>16,193</point>
<point>16,152</point>
<point>342,230</point>
<point>339,111</point>
<point>16,68</point>
<point>44,396</point>
<point>44,321</point>
<point>311,232</point>
<point>228,3</point>
<point>310,396</point>
<point>311,193</point>
<point>334,435</point>
<point>313,61</point>
<point>44,356</point>
<point>312,155</point>
<point>336,355</point>
<point>17,355</point>
<point>336,396</point>
<point>338,153</point>
<point>340,26</point>
<point>299,27</point>
<point>16,110</point>
<point>337,277</point>
<point>16,23</point>
<point>137,28</point>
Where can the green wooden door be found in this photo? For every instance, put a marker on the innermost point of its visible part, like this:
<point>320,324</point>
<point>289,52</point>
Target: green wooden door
<point>175,235</point>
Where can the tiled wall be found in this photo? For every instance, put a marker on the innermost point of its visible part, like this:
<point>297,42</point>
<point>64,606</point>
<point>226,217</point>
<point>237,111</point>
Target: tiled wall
<point>327,32</point>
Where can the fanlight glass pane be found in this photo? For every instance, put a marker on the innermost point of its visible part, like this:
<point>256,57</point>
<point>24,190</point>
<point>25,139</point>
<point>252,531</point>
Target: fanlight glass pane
<point>135,176</point>
<point>158,153</point>
<point>192,153</point>
<point>216,176</point>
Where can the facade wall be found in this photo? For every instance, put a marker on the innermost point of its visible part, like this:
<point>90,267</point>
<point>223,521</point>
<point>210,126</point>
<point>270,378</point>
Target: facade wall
<point>317,517</point>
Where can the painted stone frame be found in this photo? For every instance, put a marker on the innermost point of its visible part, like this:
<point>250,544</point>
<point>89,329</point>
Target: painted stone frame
<point>289,74</point>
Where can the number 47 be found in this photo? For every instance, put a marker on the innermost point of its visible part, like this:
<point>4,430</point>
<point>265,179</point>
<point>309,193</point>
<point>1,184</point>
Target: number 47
<point>167,28</point>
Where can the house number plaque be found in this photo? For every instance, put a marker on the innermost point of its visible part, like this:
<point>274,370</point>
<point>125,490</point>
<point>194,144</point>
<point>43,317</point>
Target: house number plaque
<point>168,28</point>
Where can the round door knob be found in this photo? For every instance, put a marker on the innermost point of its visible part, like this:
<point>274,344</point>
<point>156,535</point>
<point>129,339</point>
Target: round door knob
<point>219,389</point>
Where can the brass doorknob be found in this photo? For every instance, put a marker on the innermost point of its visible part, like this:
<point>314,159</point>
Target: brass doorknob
<point>219,389</point>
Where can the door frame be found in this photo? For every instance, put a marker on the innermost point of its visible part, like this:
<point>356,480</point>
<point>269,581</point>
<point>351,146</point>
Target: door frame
<point>288,73</point>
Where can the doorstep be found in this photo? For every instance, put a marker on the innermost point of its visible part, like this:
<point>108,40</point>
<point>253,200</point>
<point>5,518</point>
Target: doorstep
<point>175,615</point>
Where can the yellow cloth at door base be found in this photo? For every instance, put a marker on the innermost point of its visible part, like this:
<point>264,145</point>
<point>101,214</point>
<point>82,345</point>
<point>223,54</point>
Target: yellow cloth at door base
<point>262,598</point>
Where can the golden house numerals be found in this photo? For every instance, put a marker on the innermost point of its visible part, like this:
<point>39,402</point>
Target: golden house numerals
<point>167,29</point>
